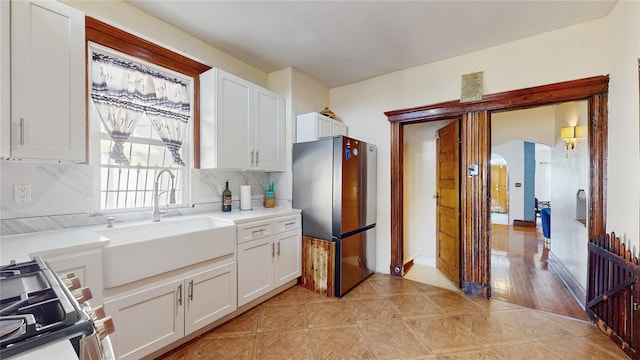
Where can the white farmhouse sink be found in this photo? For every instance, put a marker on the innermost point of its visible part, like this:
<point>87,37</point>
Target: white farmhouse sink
<point>141,251</point>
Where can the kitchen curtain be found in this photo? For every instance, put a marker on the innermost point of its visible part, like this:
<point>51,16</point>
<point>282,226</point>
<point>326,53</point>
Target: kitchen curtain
<point>124,91</point>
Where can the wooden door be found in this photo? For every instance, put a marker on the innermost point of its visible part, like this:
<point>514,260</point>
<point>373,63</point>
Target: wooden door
<point>448,203</point>
<point>499,189</point>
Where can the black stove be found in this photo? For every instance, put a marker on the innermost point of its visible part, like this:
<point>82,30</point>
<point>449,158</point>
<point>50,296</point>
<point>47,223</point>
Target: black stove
<point>36,309</point>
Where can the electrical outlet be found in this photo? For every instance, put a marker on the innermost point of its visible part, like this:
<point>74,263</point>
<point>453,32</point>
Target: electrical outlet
<point>22,193</point>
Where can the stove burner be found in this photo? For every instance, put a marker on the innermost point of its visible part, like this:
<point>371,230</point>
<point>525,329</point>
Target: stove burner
<point>36,308</point>
<point>12,327</point>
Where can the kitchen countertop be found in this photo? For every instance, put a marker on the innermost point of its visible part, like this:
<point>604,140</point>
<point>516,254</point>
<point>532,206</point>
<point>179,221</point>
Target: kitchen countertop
<point>244,216</point>
<point>23,247</point>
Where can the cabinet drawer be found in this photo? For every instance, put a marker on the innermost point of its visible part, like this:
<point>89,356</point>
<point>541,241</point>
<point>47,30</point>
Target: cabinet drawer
<point>254,231</point>
<point>286,224</point>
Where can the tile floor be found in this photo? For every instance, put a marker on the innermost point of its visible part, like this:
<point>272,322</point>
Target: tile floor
<point>389,318</point>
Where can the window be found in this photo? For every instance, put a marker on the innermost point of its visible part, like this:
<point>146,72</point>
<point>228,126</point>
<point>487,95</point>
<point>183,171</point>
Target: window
<point>143,112</point>
<point>131,186</point>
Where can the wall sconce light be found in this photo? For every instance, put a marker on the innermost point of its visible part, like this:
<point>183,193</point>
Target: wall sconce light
<point>568,134</point>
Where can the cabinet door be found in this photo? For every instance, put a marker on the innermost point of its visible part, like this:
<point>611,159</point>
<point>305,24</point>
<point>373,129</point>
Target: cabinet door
<point>210,295</point>
<point>48,81</point>
<point>288,260</point>
<point>339,128</point>
<point>311,126</point>
<point>5,80</point>
<point>233,132</point>
<point>324,126</point>
<point>147,320</point>
<point>87,266</point>
<point>255,269</point>
<point>268,130</point>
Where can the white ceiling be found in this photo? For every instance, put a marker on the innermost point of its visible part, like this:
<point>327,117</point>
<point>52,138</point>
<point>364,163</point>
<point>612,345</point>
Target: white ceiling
<point>341,42</point>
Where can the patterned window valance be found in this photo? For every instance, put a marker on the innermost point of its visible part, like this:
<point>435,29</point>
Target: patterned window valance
<point>123,91</point>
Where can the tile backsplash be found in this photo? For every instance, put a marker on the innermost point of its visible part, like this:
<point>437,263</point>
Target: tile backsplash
<point>65,195</point>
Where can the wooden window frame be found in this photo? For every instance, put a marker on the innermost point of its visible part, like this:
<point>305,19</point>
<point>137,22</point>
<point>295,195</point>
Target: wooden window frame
<point>475,221</point>
<point>104,34</point>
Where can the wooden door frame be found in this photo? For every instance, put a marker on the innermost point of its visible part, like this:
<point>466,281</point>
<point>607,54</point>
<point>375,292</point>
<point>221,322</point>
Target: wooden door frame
<point>475,134</point>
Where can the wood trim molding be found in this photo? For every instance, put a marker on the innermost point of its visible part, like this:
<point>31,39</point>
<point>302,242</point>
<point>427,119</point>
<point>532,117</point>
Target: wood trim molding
<point>476,148</point>
<point>598,135</point>
<point>397,208</point>
<point>475,191</point>
<point>104,34</point>
<point>507,101</point>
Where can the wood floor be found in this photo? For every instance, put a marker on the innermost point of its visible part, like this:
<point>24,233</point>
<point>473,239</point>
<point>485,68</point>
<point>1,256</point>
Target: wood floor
<point>520,273</point>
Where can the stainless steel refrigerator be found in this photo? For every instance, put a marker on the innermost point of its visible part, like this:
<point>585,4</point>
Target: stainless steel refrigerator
<point>334,184</point>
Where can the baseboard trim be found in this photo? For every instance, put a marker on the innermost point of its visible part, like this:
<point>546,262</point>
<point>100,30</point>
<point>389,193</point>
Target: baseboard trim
<point>406,267</point>
<point>576,290</point>
<point>525,223</point>
<point>476,289</point>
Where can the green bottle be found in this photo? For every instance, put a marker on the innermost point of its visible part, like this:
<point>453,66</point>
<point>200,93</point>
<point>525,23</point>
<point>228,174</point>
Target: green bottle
<point>226,198</point>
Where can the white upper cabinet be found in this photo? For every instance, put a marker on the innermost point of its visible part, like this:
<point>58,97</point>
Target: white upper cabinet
<point>312,126</point>
<point>47,81</point>
<point>241,124</point>
<point>5,79</point>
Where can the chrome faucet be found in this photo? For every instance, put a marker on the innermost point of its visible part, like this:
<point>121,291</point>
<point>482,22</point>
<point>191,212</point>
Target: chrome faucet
<point>156,194</point>
<point>111,220</point>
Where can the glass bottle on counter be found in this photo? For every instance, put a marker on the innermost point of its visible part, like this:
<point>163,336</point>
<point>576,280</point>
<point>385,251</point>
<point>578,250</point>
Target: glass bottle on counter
<point>226,198</point>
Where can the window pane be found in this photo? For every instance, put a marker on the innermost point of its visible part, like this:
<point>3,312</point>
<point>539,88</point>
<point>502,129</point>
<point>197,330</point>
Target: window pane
<point>143,129</point>
<point>139,155</point>
<point>157,155</point>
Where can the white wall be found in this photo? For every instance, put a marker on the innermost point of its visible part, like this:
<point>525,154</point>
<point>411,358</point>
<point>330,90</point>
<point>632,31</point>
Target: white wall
<point>623,194</point>
<point>543,172</point>
<point>569,238</point>
<point>574,52</point>
<point>513,153</point>
<point>419,187</point>
<point>533,125</point>
<point>303,94</point>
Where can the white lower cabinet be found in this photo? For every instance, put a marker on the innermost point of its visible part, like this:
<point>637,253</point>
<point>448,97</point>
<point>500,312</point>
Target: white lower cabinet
<point>255,269</point>
<point>210,295</point>
<point>160,314</point>
<point>268,256</point>
<point>288,259</point>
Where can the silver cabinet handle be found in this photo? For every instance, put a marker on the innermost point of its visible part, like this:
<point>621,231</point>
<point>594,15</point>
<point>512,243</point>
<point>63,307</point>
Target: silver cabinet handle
<point>251,157</point>
<point>278,248</point>
<point>21,131</point>
<point>258,232</point>
<point>191,290</point>
<point>257,157</point>
<point>273,250</point>
<point>180,295</point>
